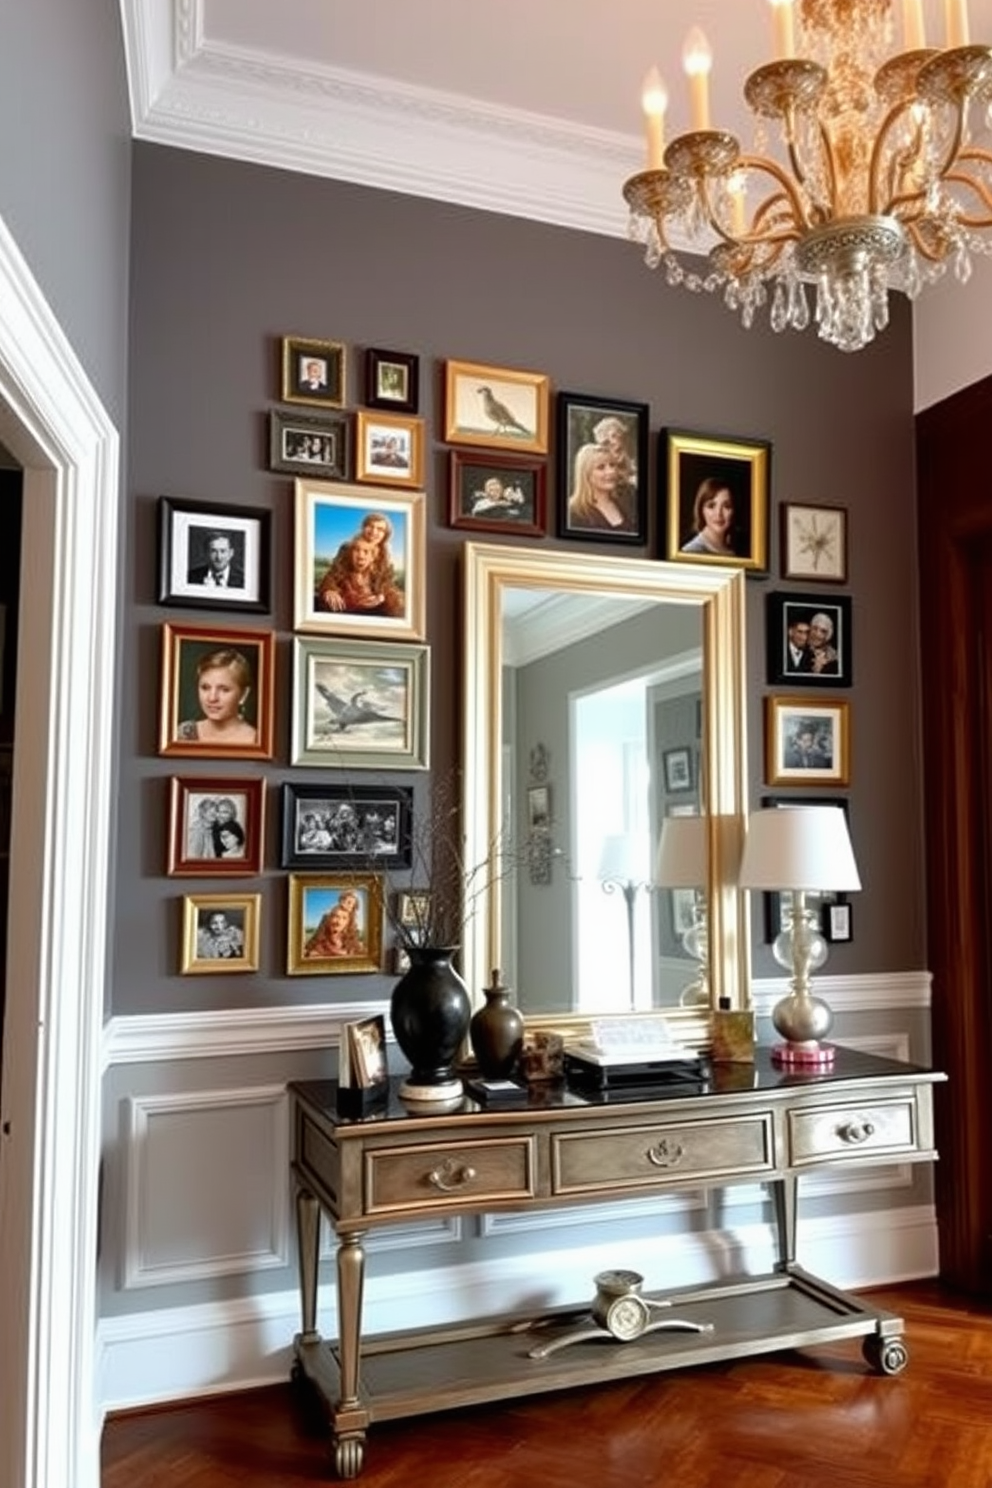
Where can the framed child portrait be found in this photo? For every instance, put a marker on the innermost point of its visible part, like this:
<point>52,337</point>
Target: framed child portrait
<point>313,372</point>
<point>809,640</point>
<point>216,694</point>
<point>359,561</point>
<point>602,469</point>
<point>497,493</point>
<point>215,825</point>
<point>213,557</point>
<point>362,704</point>
<point>335,924</point>
<point>220,933</point>
<point>716,493</point>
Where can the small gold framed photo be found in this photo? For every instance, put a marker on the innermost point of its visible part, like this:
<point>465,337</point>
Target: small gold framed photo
<point>220,933</point>
<point>717,493</point>
<point>335,923</point>
<point>313,372</point>
<point>390,449</point>
<point>807,743</point>
<point>496,407</point>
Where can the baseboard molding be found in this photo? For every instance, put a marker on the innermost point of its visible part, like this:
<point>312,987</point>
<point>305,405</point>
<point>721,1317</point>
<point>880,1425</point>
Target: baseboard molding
<point>177,1353</point>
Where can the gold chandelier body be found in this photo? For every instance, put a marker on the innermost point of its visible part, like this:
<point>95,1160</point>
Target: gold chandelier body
<point>883,183</point>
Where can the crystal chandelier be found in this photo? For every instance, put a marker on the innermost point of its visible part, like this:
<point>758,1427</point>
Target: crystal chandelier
<point>882,182</point>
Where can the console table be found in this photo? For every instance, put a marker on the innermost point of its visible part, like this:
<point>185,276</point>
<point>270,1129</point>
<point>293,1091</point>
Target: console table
<point>742,1123</point>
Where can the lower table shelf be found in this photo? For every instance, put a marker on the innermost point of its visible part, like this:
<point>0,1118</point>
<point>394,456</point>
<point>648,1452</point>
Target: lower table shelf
<point>414,1373</point>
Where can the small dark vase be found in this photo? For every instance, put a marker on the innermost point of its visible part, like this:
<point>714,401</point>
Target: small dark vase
<point>497,1032</point>
<point>430,1012</point>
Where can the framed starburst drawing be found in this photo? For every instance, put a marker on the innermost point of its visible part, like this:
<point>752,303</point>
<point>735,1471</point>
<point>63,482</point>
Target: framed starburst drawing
<point>814,543</point>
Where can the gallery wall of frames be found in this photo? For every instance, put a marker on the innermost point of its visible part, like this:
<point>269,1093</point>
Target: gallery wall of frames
<point>357,694</point>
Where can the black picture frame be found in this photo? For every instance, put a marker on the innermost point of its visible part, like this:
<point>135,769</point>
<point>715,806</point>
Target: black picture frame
<point>392,380</point>
<point>826,903</point>
<point>809,639</point>
<point>312,444</point>
<point>188,536</point>
<point>694,470</point>
<point>586,424</point>
<point>350,826</point>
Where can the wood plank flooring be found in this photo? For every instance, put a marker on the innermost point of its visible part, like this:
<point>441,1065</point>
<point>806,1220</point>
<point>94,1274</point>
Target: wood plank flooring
<point>811,1419</point>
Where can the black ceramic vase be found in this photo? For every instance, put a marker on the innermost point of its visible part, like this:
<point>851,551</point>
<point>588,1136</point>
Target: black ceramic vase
<point>430,1012</point>
<point>496,1032</point>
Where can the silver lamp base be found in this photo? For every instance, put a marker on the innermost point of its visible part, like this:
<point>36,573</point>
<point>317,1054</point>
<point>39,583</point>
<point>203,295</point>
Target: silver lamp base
<point>803,1021</point>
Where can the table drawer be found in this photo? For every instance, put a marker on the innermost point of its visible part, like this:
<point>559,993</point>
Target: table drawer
<point>850,1132</point>
<point>658,1156</point>
<point>435,1175</point>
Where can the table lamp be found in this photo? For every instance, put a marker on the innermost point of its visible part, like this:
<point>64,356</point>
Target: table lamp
<point>623,864</point>
<point>796,850</point>
<point>683,863</point>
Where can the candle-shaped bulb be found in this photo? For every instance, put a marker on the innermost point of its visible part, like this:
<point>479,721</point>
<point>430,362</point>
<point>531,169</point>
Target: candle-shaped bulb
<point>956,20</point>
<point>913,35</point>
<point>654,101</point>
<point>697,59</point>
<point>785,36</point>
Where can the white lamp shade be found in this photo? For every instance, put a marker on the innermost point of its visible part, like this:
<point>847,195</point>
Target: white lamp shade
<point>683,853</point>
<point>624,857</point>
<point>798,847</point>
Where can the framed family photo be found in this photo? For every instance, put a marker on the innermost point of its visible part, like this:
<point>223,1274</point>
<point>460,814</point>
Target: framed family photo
<point>335,924</point>
<point>213,557</point>
<point>220,933</point>
<point>215,825</point>
<point>392,380</point>
<point>497,493</point>
<point>716,494</point>
<point>359,561</point>
<point>363,704</point>
<point>814,543</point>
<point>311,444</point>
<point>602,469</point>
<point>390,449</point>
<point>807,743</point>
<point>313,372</point>
<point>217,690</point>
<point>496,407</point>
<point>809,640</point>
<point>346,826</point>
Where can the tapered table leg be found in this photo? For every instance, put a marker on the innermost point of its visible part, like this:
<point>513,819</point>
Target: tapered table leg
<point>351,1278</point>
<point>785,1200</point>
<point>308,1240</point>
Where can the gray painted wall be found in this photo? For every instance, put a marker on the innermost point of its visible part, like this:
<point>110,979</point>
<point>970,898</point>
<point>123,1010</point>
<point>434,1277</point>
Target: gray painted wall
<point>227,258</point>
<point>65,172</point>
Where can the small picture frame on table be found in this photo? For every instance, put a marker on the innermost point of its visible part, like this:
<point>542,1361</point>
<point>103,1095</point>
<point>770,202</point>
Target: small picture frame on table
<point>311,444</point>
<point>363,1075</point>
<point>602,469</point>
<point>497,493</point>
<point>496,407</point>
<point>717,495</point>
<point>215,825</point>
<point>807,743</point>
<point>313,372</point>
<point>814,543</point>
<point>335,924</point>
<point>392,380</point>
<point>220,933</point>
<point>213,556</point>
<point>809,639</point>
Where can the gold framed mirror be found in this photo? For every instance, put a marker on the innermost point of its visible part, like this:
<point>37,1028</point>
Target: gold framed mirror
<point>542,623</point>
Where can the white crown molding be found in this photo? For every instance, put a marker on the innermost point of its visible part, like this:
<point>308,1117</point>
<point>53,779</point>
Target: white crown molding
<point>196,94</point>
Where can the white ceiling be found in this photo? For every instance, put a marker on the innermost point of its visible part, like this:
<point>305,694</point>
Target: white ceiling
<point>531,107</point>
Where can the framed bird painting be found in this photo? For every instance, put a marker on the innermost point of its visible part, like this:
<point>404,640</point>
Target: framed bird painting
<point>496,407</point>
<point>360,704</point>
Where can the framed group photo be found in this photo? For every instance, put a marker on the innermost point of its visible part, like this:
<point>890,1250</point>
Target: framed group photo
<point>359,561</point>
<point>311,444</point>
<point>313,372</point>
<point>717,496</point>
<point>220,933</point>
<point>215,825</point>
<point>807,743</point>
<point>390,449</point>
<point>392,380</point>
<point>363,704</point>
<point>809,640</point>
<point>602,469</point>
<point>496,407</point>
<point>335,924</point>
<point>213,557</point>
<point>497,493</point>
<point>346,826</point>
<point>217,690</point>
<point>814,543</point>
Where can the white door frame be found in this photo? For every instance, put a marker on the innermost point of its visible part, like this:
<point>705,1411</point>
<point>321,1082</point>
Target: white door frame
<point>53,423</point>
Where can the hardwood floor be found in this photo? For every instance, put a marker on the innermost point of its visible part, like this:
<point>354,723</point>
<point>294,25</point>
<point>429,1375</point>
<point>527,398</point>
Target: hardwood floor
<point>811,1419</point>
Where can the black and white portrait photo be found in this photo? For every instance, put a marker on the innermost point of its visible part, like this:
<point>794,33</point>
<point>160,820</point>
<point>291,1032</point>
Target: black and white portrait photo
<point>213,558</point>
<point>220,933</point>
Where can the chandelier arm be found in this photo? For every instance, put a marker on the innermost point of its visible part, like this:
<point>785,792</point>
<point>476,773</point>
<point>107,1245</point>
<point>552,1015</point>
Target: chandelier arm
<point>922,247</point>
<point>980,191</point>
<point>761,164</point>
<point>893,117</point>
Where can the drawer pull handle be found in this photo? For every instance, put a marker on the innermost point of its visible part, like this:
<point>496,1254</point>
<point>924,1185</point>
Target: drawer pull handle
<point>450,1176</point>
<point>857,1131</point>
<point>663,1156</point>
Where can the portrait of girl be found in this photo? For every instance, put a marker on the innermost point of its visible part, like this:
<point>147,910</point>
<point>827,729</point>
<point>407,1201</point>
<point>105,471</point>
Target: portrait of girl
<point>717,493</point>
<point>216,696</point>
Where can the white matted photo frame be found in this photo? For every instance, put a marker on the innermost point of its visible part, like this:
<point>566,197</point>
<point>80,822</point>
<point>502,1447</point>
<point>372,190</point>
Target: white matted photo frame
<point>678,770</point>
<point>220,933</point>
<point>359,561</point>
<point>216,825</point>
<point>313,372</point>
<point>360,704</point>
<point>814,542</point>
<point>716,491</point>
<point>335,924</point>
<point>390,449</point>
<point>311,444</point>
<point>392,380</point>
<point>496,407</point>
<point>217,691</point>
<point>212,556</point>
<point>806,742</point>
<point>602,448</point>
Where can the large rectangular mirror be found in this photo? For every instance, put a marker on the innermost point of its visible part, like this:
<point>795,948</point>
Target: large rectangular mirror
<point>601,696</point>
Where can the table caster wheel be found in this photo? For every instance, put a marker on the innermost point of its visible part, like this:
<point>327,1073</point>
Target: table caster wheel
<point>349,1454</point>
<point>885,1355</point>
